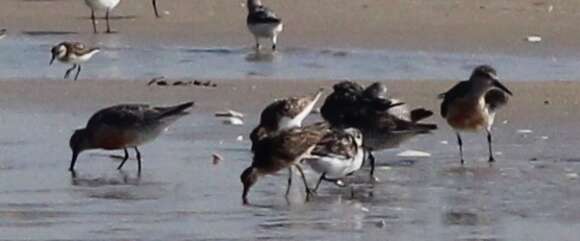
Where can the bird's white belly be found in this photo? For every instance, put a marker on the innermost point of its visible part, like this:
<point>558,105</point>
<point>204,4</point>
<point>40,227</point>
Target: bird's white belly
<point>265,30</point>
<point>102,4</point>
<point>336,167</point>
<point>79,59</point>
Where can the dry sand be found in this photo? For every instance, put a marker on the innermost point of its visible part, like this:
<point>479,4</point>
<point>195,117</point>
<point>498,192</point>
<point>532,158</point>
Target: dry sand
<point>472,26</point>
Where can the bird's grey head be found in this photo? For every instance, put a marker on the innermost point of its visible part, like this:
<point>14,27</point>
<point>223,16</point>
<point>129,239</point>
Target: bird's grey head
<point>356,135</point>
<point>484,77</point>
<point>58,51</point>
<point>376,90</point>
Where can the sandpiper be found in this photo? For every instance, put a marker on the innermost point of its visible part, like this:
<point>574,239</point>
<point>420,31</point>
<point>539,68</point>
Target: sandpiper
<point>471,105</point>
<point>124,126</point>
<point>279,150</point>
<point>72,53</point>
<point>350,105</point>
<point>97,5</point>
<point>263,23</point>
<point>284,114</point>
<point>337,155</point>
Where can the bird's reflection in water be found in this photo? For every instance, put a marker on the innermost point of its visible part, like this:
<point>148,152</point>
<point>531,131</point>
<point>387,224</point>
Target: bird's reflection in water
<point>121,178</point>
<point>259,56</point>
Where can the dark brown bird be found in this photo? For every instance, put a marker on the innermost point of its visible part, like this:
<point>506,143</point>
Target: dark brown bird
<point>385,123</point>
<point>279,150</point>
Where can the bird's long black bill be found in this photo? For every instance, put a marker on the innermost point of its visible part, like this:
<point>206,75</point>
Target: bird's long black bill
<point>73,161</point>
<point>499,85</point>
<point>52,60</point>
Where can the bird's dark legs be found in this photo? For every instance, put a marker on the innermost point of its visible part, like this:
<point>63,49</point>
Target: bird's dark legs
<point>68,71</point>
<point>125,158</point>
<point>274,41</point>
<point>372,162</point>
<point>460,142</point>
<point>138,160</point>
<point>289,181</point>
<point>257,44</point>
<point>78,72</point>
<point>107,18</point>
<point>155,9</point>
<point>322,177</point>
<point>308,192</point>
<point>491,158</point>
<point>94,21</point>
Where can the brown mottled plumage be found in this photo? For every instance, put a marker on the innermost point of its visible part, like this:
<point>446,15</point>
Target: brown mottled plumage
<point>284,114</point>
<point>279,150</point>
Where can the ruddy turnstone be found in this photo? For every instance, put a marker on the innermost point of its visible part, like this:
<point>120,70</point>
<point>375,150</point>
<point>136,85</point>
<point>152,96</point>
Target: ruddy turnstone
<point>263,23</point>
<point>471,105</point>
<point>124,126</point>
<point>72,53</point>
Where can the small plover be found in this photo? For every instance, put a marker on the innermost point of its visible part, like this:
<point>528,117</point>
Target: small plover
<point>284,114</point>
<point>124,126</point>
<point>98,5</point>
<point>279,150</point>
<point>350,105</point>
<point>263,23</point>
<point>72,53</point>
<point>471,105</point>
<point>337,155</point>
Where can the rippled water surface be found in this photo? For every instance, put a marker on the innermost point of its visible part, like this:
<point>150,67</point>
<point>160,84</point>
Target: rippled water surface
<point>181,195</point>
<point>26,56</point>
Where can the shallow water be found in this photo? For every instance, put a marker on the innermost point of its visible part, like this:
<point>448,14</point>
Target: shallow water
<point>181,195</point>
<point>26,56</point>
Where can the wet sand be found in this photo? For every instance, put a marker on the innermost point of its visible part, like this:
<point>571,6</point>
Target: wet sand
<point>473,26</point>
<point>530,193</point>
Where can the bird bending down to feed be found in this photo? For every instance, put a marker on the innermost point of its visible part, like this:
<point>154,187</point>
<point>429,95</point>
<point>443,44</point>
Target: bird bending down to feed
<point>279,150</point>
<point>471,105</point>
<point>124,126</point>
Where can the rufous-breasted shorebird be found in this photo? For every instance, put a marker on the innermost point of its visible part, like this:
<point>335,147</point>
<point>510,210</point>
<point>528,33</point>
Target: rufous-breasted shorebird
<point>284,114</point>
<point>72,53</point>
<point>263,23</point>
<point>124,126</point>
<point>279,150</point>
<point>350,105</point>
<point>471,105</point>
